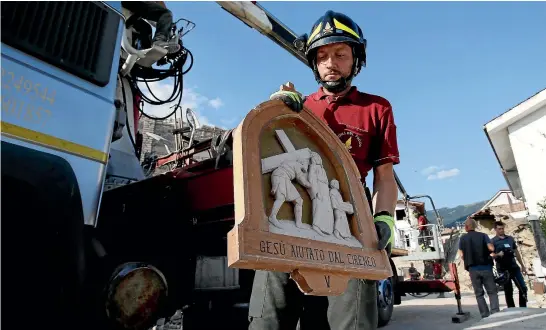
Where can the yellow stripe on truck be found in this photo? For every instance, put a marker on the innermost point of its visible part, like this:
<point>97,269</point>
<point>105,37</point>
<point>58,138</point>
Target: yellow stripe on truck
<point>49,141</point>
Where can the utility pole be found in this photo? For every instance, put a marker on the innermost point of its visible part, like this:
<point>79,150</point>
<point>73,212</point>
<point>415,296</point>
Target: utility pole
<point>540,240</point>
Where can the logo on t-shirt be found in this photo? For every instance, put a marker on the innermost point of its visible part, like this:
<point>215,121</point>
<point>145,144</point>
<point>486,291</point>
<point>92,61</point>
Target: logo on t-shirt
<point>349,139</point>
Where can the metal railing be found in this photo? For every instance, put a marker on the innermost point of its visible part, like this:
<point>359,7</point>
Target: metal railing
<point>414,239</point>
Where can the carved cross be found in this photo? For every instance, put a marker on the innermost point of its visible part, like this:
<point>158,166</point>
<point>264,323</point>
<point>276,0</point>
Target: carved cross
<point>290,153</point>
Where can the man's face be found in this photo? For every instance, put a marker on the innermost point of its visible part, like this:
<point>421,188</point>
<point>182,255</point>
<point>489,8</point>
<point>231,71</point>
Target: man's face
<point>499,230</point>
<point>334,61</point>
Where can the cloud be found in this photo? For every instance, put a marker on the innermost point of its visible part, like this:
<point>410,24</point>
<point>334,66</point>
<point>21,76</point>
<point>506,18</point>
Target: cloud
<point>190,99</point>
<point>438,173</point>
<point>444,174</point>
<point>429,170</point>
<point>216,103</point>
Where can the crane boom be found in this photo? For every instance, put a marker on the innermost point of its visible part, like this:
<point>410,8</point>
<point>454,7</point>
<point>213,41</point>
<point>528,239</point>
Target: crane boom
<point>255,16</point>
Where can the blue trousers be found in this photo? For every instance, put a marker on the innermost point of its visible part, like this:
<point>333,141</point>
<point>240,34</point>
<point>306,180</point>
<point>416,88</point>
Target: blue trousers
<point>517,277</point>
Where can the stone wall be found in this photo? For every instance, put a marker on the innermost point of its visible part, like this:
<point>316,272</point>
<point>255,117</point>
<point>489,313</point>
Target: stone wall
<point>207,132</point>
<point>146,125</point>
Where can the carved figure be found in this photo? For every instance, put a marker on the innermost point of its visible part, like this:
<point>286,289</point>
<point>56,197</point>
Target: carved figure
<point>341,208</point>
<point>284,190</point>
<point>323,215</point>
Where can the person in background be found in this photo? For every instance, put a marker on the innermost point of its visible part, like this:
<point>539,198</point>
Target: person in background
<point>476,250</point>
<point>437,272</point>
<point>437,269</point>
<point>506,253</point>
<point>427,269</point>
<point>414,274</point>
<point>422,221</point>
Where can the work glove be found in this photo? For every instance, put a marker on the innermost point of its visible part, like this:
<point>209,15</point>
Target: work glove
<point>384,225</point>
<point>290,97</point>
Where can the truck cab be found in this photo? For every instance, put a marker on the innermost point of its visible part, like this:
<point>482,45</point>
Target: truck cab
<point>69,142</point>
<point>59,78</point>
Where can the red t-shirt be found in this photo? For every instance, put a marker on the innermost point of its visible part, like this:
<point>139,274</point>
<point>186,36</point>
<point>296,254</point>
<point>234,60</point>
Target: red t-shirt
<point>422,222</point>
<point>363,122</point>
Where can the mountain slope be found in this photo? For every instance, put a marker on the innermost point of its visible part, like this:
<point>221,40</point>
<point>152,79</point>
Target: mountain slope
<point>455,214</point>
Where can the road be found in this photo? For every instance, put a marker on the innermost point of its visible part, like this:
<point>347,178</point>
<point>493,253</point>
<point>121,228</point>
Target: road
<point>413,314</point>
<point>435,313</point>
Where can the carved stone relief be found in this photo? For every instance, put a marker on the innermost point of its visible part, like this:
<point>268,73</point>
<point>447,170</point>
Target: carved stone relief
<point>329,211</point>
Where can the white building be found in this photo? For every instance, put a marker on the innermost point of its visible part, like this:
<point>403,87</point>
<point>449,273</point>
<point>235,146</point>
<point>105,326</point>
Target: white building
<point>518,138</point>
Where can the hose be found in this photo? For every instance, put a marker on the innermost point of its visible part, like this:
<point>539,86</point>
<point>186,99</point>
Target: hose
<point>146,75</point>
<point>141,74</point>
<point>127,115</point>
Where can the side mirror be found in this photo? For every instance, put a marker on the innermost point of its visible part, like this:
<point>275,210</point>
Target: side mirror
<point>193,122</point>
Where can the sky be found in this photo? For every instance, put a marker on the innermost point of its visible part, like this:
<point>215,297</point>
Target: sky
<point>447,69</point>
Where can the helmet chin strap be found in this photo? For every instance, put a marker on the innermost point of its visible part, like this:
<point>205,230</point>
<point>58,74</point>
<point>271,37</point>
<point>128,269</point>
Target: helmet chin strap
<point>336,86</point>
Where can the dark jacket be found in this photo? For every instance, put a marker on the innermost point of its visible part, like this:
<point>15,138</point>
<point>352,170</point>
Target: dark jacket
<point>475,251</point>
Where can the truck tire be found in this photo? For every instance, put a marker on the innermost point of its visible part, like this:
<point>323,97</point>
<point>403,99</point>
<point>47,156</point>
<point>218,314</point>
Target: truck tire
<point>385,301</point>
<point>43,223</point>
<point>386,297</point>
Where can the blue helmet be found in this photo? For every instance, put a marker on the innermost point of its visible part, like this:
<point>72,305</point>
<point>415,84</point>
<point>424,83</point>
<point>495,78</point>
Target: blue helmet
<point>333,28</point>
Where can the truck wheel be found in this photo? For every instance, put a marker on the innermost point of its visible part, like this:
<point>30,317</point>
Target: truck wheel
<point>43,222</point>
<point>387,297</point>
<point>385,301</point>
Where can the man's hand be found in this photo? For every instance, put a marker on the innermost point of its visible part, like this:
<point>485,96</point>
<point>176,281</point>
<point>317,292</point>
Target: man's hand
<point>384,226</point>
<point>288,94</point>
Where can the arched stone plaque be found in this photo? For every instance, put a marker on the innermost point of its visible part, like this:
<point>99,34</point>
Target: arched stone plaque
<point>300,207</point>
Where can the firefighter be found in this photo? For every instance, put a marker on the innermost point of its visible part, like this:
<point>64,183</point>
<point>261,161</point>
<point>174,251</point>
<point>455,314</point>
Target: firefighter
<point>336,51</point>
<point>423,232</point>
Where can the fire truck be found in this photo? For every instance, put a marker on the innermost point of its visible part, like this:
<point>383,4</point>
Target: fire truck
<point>91,239</point>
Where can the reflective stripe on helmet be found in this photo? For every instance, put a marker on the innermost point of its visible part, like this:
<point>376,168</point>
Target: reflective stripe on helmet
<point>314,33</point>
<point>345,28</point>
